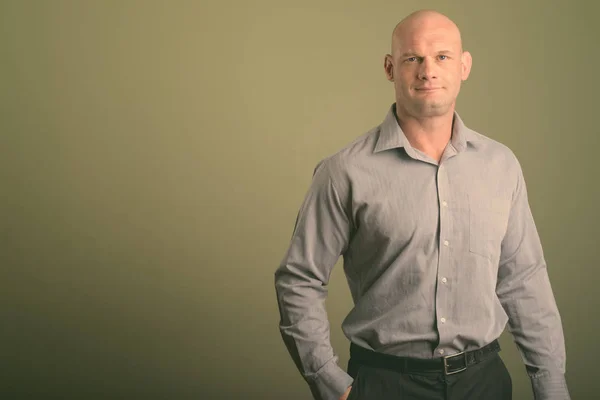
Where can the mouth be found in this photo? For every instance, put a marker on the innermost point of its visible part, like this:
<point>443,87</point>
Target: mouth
<point>427,89</point>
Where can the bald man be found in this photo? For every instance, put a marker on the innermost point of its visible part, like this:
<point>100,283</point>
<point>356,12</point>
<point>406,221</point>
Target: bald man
<point>439,245</point>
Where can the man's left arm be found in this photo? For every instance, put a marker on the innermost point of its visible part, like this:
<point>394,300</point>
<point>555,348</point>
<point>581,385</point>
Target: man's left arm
<point>525,293</point>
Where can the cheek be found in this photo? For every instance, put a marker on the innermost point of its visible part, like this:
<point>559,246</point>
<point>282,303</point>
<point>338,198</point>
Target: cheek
<point>453,73</point>
<point>454,79</point>
<point>403,87</point>
<point>404,79</point>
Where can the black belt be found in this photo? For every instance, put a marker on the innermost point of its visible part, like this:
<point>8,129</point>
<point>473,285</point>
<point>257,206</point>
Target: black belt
<point>447,365</point>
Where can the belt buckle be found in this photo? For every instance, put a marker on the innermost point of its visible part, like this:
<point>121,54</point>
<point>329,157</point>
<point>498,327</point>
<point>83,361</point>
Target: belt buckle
<point>446,372</point>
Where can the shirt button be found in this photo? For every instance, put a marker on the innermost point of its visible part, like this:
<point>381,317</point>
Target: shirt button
<point>444,280</point>
<point>443,320</point>
<point>441,351</point>
<point>444,204</point>
<point>446,243</point>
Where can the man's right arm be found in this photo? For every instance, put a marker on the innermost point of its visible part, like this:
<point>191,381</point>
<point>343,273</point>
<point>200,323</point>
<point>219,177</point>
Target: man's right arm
<point>320,236</point>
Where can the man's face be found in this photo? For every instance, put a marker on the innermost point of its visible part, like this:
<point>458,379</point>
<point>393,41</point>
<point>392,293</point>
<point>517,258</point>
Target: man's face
<point>427,66</point>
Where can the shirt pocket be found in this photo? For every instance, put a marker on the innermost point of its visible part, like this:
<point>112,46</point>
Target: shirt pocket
<point>488,220</point>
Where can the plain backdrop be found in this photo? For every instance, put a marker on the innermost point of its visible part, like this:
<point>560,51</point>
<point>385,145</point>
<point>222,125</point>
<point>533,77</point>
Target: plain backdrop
<point>154,154</point>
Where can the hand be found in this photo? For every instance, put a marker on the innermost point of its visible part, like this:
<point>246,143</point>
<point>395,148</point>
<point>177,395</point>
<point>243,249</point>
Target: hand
<point>345,395</point>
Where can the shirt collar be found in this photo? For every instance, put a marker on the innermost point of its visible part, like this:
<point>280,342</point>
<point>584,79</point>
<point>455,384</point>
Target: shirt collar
<point>391,135</point>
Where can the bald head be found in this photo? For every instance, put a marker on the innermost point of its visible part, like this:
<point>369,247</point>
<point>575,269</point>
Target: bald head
<point>427,65</point>
<point>421,23</point>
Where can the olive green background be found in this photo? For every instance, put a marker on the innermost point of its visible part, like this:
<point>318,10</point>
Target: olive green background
<point>154,154</point>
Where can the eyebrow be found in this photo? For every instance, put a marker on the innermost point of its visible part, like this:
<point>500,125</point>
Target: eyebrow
<point>413,54</point>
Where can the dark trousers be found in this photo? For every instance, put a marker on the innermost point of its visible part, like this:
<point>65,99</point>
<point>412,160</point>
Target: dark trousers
<point>487,380</point>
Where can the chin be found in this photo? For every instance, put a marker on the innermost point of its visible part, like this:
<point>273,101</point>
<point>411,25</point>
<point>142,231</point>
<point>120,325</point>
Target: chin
<point>433,110</point>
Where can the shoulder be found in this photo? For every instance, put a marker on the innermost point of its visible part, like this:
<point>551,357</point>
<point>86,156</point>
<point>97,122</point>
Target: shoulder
<point>494,152</point>
<point>498,162</point>
<point>338,165</point>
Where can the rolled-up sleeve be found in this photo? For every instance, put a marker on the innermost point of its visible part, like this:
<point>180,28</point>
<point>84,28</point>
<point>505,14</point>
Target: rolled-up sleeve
<point>525,293</point>
<point>320,236</point>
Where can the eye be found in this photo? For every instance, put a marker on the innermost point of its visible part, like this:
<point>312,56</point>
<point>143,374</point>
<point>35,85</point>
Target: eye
<point>411,59</point>
<point>442,57</point>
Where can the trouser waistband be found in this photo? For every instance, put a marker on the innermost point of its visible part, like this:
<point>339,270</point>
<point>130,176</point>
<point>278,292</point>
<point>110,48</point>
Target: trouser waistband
<point>447,365</point>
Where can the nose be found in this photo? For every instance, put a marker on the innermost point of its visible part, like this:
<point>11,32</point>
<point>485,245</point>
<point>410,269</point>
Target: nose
<point>427,70</point>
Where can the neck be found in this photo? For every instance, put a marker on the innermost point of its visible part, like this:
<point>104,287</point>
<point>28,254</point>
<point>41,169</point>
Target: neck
<point>430,135</point>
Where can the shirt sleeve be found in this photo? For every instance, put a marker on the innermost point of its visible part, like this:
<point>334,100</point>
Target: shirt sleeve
<point>320,236</point>
<point>525,293</point>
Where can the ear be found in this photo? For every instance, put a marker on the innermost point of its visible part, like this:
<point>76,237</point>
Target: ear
<point>466,63</point>
<point>388,66</point>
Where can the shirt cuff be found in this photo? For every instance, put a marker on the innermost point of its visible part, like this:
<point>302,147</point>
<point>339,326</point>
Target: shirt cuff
<point>330,382</point>
<point>549,386</point>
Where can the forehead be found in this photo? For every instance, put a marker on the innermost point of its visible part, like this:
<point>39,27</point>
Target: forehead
<point>428,40</point>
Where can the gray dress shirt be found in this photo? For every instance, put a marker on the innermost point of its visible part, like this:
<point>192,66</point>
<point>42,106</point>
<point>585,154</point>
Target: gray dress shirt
<point>438,258</point>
